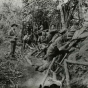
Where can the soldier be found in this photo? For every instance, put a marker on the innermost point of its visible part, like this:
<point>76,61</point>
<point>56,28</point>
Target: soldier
<point>56,48</point>
<point>43,38</point>
<point>13,36</point>
<point>51,33</point>
<point>23,30</point>
<point>41,28</point>
<point>25,39</point>
<point>43,41</point>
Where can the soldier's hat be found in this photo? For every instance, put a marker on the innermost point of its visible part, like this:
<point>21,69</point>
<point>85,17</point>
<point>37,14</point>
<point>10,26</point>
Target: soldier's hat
<point>14,25</point>
<point>15,37</point>
<point>63,31</point>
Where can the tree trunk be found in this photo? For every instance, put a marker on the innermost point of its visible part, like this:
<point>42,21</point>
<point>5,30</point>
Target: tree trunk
<point>67,74</point>
<point>80,14</point>
<point>62,18</point>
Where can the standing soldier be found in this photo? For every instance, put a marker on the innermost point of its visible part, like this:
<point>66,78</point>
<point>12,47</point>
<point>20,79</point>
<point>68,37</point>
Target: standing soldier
<point>41,28</point>
<point>23,30</point>
<point>26,39</point>
<point>13,36</point>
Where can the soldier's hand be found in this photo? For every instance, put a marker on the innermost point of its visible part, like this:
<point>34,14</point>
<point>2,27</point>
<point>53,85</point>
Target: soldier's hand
<point>50,42</point>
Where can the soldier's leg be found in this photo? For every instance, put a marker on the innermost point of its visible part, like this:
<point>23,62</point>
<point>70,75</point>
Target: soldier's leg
<point>49,58</point>
<point>12,43</point>
<point>24,43</point>
<point>14,47</point>
<point>61,57</point>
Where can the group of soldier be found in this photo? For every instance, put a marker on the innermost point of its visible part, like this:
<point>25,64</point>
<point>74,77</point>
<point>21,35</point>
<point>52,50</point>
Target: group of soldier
<point>53,41</point>
<point>56,43</point>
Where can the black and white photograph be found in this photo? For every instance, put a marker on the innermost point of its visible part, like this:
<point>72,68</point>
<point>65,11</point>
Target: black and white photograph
<point>43,43</point>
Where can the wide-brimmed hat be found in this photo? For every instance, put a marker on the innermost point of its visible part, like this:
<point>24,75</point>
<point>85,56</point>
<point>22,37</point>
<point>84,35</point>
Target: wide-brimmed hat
<point>15,37</point>
<point>14,25</point>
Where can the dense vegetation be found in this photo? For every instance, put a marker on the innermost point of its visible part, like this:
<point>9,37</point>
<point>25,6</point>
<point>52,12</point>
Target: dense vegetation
<point>37,12</point>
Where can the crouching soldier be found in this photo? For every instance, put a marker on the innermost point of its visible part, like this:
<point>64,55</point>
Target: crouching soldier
<point>13,36</point>
<point>52,33</point>
<point>56,48</point>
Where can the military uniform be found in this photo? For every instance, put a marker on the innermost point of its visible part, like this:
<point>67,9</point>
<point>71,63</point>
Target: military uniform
<point>51,34</point>
<point>13,36</point>
<point>71,32</point>
<point>56,48</point>
<point>43,41</point>
<point>55,37</point>
<point>43,38</point>
<point>53,49</point>
<point>25,40</point>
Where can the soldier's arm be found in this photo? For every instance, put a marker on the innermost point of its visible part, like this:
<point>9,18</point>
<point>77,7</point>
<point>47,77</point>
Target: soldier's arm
<point>63,47</point>
<point>39,40</point>
<point>53,31</point>
<point>9,32</point>
<point>58,42</point>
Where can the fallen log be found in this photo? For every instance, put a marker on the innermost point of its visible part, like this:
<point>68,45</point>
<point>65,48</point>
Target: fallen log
<point>67,71</point>
<point>76,62</point>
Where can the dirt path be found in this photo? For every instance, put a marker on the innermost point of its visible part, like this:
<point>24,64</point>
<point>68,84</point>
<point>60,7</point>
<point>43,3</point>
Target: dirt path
<point>34,81</point>
<point>33,78</point>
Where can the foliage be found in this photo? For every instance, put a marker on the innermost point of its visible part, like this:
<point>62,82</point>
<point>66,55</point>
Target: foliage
<point>41,10</point>
<point>9,15</point>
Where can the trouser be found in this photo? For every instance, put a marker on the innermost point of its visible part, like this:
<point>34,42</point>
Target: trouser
<point>24,43</point>
<point>53,52</point>
<point>13,47</point>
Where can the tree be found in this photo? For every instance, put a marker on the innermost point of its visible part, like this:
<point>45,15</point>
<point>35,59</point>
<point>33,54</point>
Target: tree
<point>9,15</point>
<point>39,9</point>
